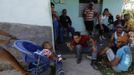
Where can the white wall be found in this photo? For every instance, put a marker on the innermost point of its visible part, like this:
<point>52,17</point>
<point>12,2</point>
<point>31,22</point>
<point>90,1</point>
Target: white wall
<point>114,6</point>
<point>35,12</point>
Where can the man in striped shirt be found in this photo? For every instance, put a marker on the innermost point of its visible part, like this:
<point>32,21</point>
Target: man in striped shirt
<point>88,15</point>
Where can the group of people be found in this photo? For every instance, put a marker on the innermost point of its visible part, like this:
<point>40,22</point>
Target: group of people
<point>62,25</point>
<point>105,22</point>
<point>117,49</point>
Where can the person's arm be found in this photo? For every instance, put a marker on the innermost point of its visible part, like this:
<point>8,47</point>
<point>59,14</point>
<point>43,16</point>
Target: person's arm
<point>69,21</point>
<point>118,57</point>
<point>70,46</point>
<point>112,63</point>
<point>96,13</point>
<point>84,11</point>
<point>93,44</point>
<point>115,61</point>
<point>112,38</point>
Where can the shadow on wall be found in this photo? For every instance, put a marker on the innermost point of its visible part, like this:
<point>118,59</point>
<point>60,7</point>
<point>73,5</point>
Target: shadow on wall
<point>35,33</point>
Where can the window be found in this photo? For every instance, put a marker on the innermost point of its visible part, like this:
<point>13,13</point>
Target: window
<point>83,4</point>
<point>87,1</point>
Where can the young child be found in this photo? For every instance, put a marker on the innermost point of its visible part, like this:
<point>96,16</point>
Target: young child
<point>47,51</point>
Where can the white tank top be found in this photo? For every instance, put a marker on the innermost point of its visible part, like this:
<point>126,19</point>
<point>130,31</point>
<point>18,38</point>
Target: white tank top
<point>116,36</point>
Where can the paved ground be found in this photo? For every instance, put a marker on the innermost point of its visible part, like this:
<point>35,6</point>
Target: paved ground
<point>84,68</point>
<point>70,68</point>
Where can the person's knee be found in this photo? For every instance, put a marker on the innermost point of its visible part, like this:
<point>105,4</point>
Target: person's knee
<point>78,47</point>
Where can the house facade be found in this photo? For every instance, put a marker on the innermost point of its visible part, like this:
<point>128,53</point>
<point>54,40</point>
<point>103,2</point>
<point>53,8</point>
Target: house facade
<point>74,8</point>
<point>27,19</point>
<point>31,19</point>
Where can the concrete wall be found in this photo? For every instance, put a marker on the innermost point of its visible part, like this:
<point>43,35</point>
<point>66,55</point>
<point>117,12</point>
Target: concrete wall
<point>35,33</point>
<point>27,19</point>
<point>34,12</point>
<point>72,7</point>
<point>73,11</point>
<point>115,6</point>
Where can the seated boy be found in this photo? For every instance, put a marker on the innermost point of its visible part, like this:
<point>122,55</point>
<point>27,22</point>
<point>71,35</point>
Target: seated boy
<point>122,60</point>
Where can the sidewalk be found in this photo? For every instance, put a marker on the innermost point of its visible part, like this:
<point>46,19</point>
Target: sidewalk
<point>84,68</point>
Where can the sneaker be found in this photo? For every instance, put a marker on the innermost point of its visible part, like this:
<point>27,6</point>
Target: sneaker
<point>103,37</point>
<point>94,66</point>
<point>89,57</point>
<point>100,38</point>
<point>78,61</point>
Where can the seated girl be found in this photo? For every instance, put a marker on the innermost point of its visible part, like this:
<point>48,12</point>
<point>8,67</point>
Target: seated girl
<point>47,51</point>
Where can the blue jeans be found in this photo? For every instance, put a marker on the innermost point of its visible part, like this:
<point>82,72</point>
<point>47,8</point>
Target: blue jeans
<point>66,31</point>
<point>56,29</point>
<point>79,50</point>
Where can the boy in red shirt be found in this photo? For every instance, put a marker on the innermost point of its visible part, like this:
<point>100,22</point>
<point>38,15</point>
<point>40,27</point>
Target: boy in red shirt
<point>80,44</point>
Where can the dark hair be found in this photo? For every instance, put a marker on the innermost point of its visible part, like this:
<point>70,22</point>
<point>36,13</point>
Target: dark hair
<point>106,9</point>
<point>126,14</point>
<point>45,42</point>
<point>77,34</point>
<point>90,4</point>
<point>52,4</point>
<point>64,10</point>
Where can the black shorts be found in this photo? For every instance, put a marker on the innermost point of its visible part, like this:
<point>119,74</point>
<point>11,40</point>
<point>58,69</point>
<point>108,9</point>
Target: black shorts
<point>89,25</point>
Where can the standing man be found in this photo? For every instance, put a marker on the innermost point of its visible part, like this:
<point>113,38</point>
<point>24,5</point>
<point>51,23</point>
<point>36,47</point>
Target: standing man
<point>80,43</point>
<point>55,19</point>
<point>8,57</point>
<point>88,15</point>
<point>66,27</point>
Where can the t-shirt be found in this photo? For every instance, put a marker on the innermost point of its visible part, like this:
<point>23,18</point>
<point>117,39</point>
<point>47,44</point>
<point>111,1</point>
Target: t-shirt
<point>125,55</point>
<point>89,14</point>
<point>104,20</point>
<point>83,41</point>
<point>65,21</point>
